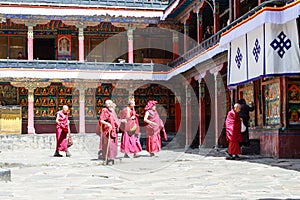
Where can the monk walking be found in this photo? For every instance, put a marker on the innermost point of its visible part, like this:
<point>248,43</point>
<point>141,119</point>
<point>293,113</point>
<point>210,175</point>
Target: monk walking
<point>110,125</point>
<point>233,132</point>
<point>130,143</point>
<point>62,129</point>
<point>153,128</point>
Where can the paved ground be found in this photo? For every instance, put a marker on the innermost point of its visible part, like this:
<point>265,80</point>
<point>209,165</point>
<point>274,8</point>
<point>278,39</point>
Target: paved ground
<point>171,175</point>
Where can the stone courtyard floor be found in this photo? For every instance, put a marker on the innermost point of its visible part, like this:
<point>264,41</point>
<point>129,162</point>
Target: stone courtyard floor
<point>204,174</point>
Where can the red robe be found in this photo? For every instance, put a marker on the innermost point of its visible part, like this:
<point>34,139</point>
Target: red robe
<point>130,143</point>
<point>153,138</point>
<point>233,132</point>
<point>62,129</point>
<point>110,117</point>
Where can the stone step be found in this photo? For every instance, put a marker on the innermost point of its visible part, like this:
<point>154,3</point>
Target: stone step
<point>5,175</point>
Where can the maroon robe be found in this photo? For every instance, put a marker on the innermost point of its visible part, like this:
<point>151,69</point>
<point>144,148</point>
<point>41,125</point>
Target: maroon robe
<point>99,132</point>
<point>110,117</point>
<point>130,143</point>
<point>233,132</point>
<point>153,138</point>
<point>62,129</point>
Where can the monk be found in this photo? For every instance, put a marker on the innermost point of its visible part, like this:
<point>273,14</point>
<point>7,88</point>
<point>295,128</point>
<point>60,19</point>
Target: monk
<point>130,143</point>
<point>153,128</point>
<point>110,125</point>
<point>62,129</point>
<point>233,132</point>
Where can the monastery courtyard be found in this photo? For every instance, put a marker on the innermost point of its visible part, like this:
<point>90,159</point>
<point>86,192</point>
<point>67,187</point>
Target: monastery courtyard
<point>173,174</point>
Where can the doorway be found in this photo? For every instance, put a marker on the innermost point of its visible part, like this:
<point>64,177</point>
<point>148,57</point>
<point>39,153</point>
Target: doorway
<point>44,49</point>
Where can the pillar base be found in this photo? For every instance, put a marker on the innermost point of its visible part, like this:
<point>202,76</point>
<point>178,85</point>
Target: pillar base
<point>31,130</point>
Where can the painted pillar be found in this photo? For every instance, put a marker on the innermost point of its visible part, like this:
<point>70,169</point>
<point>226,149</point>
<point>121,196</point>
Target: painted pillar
<point>260,1</point>
<point>130,45</point>
<point>230,11</point>
<point>188,117</point>
<point>186,35</point>
<point>81,110</point>
<point>81,44</point>
<point>30,126</point>
<point>236,9</point>
<point>217,80</point>
<point>175,45</point>
<point>30,42</point>
<point>199,27</point>
<point>202,121</point>
<point>216,17</point>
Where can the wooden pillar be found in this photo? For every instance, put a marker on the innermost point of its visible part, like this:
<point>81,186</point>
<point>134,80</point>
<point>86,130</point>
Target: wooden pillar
<point>202,120</point>
<point>188,117</point>
<point>175,45</point>
<point>260,1</point>
<point>81,110</point>
<point>216,17</point>
<point>199,27</point>
<point>81,43</point>
<point>186,35</point>
<point>230,11</point>
<point>30,42</point>
<point>236,9</point>
<point>130,45</point>
<point>30,125</point>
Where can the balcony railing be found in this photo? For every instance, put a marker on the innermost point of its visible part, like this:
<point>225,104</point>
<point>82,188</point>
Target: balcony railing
<point>75,65</point>
<point>158,4</point>
<point>213,40</point>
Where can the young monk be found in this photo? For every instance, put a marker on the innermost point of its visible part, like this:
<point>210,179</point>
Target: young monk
<point>153,128</point>
<point>62,129</point>
<point>130,143</point>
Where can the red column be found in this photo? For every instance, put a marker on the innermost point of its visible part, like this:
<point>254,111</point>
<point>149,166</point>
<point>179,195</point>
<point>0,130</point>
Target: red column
<point>186,35</point>
<point>81,110</point>
<point>81,44</point>
<point>175,45</point>
<point>216,17</point>
<point>130,45</point>
<point>236,9</point>
<point>188,117</point>
<point>260,1</point>
<point>202,121</point>
<point>177,115</point>
<point>230,11</point>
<point>30,126</point>
<point>199,27</point>
<point>30,42</point>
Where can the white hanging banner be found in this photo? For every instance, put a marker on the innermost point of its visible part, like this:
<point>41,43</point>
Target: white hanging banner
<point>282,48</point>
<point>256,52</point>
<point>238,61</point>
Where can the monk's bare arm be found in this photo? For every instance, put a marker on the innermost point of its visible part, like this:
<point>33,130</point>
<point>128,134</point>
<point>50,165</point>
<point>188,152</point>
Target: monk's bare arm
<point>57,118</point>
<point>147,120</point>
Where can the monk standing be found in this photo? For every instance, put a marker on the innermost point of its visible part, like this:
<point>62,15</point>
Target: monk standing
<point>110,125</point>
<point>130,142</point>
<point>233,132</point>
<point>62,129</point>
<point>153,128</point>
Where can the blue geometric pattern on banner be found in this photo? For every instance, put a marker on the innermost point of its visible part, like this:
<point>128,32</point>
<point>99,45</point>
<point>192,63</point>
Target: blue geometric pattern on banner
<point>281,44</point>
<point>256,50</point>
<point>238,58</point>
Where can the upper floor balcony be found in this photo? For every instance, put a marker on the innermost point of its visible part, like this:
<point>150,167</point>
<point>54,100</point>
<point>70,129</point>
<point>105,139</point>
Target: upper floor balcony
<point>153,4</point>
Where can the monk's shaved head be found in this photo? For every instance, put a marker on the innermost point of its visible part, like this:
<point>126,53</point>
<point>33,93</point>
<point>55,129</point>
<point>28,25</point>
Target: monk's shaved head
<point>237,107</point>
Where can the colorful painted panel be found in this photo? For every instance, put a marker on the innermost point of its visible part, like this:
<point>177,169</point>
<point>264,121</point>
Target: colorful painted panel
<point>272,104</point>
<point>294,104</point>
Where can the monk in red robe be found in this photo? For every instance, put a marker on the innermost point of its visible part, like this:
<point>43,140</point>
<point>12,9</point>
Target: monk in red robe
<point>110,125</point>
<point>130,142</point>
<point>62,129</point>
<point>153,128</point>
<point>233,132</point>
<point>99,133</point>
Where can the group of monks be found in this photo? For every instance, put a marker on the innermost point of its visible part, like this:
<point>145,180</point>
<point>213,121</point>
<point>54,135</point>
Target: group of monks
<point>108,127</point>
